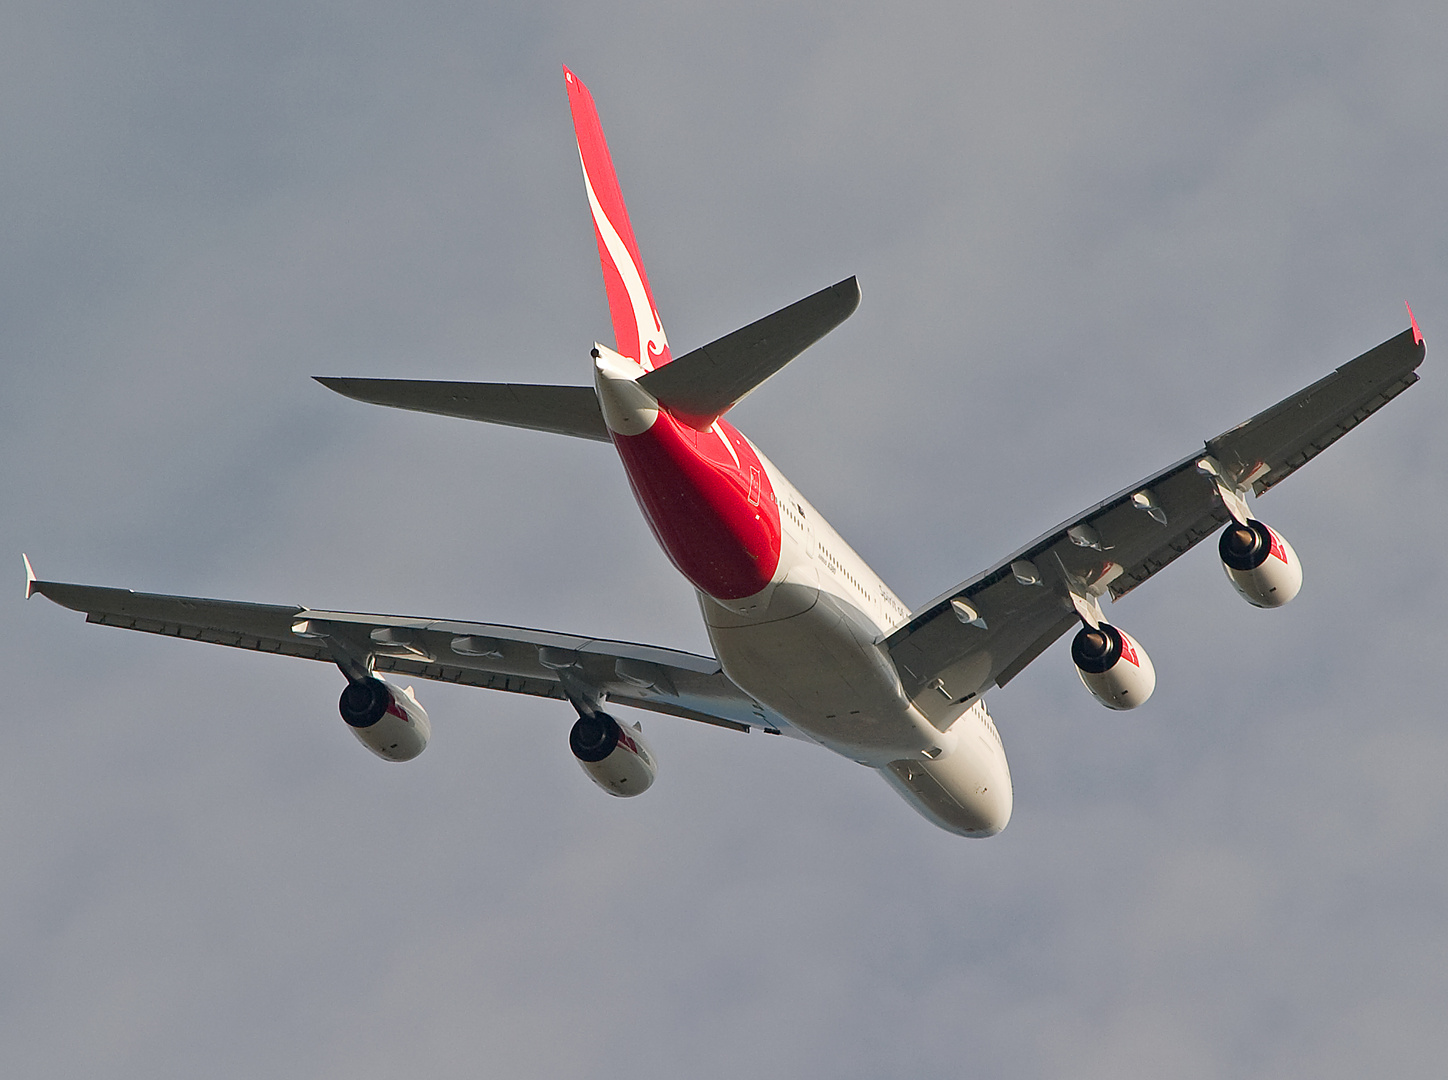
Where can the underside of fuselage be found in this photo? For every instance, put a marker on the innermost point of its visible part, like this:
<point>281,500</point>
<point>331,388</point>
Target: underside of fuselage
<point>813,659</point>
<point>795,617</point>
<point>780,630</point>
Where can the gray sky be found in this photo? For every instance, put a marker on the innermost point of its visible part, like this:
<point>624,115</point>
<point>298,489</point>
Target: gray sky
<point>1089,236</point>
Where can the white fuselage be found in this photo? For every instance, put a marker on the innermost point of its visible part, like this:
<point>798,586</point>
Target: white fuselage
<point>809,643</point>
<point>810,647</point>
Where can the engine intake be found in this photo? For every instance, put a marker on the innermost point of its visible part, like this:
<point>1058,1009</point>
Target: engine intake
<point>387,720</point>
<point>614,757</point>
<point>1113,666</point>
<point>1260,564</point>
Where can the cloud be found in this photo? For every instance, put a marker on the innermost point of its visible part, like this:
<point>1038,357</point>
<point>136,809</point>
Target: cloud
<point>1087,240</point>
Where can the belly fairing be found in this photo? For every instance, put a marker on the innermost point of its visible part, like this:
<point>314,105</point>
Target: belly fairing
<point>821,670</point>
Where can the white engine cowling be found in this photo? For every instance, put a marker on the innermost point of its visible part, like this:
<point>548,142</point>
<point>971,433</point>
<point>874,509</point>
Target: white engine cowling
<point>1113,666</point>
<point>615,757</point>
<point>1260,564</point>
<point>386,719</point>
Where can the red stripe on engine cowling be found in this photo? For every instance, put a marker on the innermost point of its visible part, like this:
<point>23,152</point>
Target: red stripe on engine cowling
<point>697,502</point>
<point>1276,546</point>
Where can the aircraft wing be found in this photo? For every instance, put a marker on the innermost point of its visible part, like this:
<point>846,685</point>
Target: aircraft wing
<point>509,658</point>
<point>987,629</point>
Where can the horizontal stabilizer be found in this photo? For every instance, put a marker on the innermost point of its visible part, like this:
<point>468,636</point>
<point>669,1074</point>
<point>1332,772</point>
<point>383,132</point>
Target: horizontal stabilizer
<point>563,410</point>
<point>701,386</point>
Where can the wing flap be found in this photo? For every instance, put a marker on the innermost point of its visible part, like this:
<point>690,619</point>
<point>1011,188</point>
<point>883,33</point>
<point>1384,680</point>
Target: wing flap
<point>562,410</point>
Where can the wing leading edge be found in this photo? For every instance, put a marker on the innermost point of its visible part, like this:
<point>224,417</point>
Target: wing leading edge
<point>988,628</point>
<point>509,658</point>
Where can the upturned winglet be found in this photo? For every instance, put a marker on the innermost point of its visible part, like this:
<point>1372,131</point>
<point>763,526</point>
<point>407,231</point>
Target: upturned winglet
<point>29,576</point>
<point>1417,334</point>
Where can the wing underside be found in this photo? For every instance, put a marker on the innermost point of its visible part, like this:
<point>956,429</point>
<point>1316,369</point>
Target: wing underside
<point>988,628</point>
<point>507,658</point>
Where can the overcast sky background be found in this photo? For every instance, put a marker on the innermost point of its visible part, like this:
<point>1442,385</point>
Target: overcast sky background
<point>1088,237</point>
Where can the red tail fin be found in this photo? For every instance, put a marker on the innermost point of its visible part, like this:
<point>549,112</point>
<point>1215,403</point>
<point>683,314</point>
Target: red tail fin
<point>638,332</point>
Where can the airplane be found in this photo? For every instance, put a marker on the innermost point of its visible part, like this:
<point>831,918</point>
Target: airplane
<point>808,641</point>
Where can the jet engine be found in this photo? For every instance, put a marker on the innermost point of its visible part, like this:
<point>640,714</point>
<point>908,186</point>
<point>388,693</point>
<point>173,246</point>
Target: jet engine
<point>1260,564</point>
<point>387,720</point>
<point>1113,666</point>
<point>614,756</point>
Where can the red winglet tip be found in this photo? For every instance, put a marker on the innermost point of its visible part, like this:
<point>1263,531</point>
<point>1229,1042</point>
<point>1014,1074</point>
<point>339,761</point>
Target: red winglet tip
<point>1417,334</point>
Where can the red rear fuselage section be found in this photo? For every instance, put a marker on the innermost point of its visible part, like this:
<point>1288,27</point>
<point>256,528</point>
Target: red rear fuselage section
<point>707,496</point>
<point>709,502</point>
<point>704,493</point>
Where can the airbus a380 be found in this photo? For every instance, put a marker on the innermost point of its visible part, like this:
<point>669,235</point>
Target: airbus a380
<point>808,641</point>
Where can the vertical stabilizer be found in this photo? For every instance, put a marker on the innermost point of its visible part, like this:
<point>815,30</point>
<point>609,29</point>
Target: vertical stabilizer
<point>639,333</point>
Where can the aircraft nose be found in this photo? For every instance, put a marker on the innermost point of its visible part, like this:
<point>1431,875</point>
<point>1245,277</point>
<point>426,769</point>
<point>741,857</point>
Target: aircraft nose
<point>993,809</point>
<point>966,793</point>
<point>987,796</point>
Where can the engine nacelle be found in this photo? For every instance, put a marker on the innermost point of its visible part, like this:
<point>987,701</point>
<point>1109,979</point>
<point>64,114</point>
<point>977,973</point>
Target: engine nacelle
<point>1260,564</point>
<point>387,720</point>
<point>1113,666</point>
<point>614,757</point>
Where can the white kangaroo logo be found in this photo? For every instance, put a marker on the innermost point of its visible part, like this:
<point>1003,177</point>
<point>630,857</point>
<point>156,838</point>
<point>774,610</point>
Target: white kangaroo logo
<point>652,341</point>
